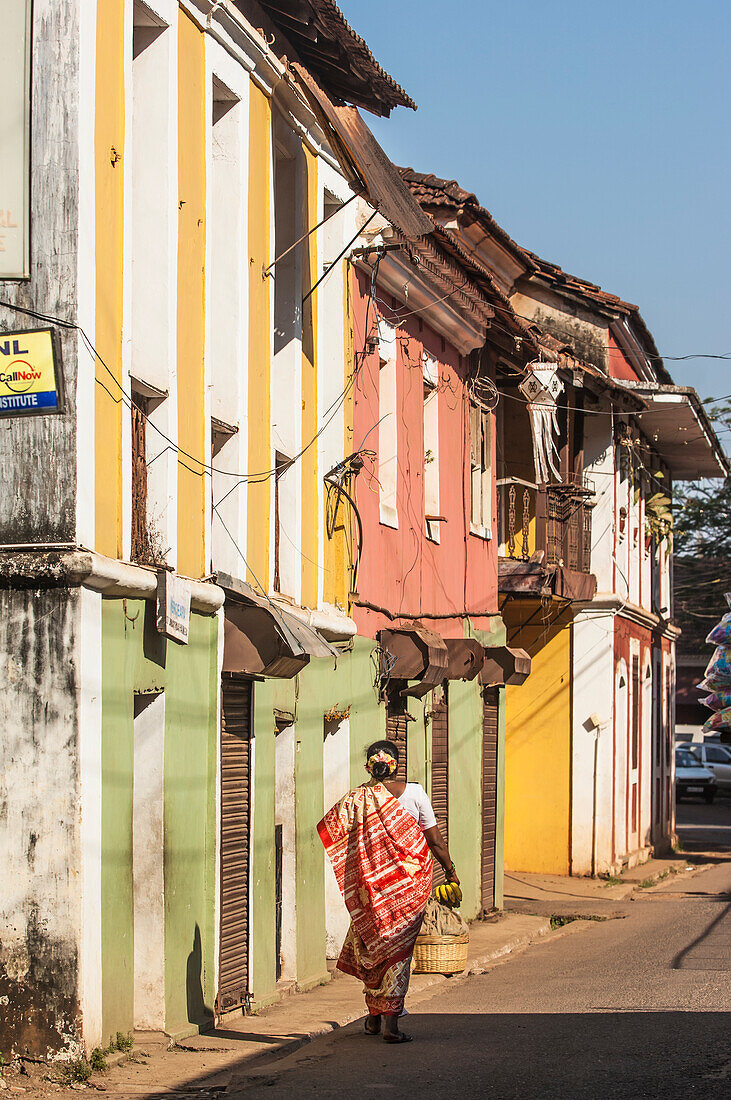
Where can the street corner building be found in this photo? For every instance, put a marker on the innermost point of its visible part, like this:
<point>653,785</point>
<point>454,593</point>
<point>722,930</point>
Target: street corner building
<point>209,607</point>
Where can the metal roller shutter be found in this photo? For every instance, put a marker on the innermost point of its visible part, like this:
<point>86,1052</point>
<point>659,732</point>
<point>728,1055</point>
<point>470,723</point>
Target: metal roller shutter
<point>396,730</point>
<point>233,975</point>
<point>489,795</point>
<point>440,773</point>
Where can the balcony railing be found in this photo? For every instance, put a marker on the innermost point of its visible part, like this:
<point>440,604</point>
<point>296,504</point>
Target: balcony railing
<point>552,519</point>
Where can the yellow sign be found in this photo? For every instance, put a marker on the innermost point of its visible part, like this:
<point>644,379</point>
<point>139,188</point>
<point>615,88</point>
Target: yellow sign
<point>29,381</point>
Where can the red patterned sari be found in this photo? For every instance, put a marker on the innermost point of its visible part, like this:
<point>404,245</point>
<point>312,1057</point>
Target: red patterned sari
<point>383,867</point>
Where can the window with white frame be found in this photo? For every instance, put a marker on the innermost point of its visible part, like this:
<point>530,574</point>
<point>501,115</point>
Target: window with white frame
<point>387,425</point>
<point>431,446</point>
<point>480,471</point>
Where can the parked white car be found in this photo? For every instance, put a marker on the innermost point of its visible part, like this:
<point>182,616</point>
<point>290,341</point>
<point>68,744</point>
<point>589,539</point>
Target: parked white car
<point>691,778</point>
<point>717,758</point>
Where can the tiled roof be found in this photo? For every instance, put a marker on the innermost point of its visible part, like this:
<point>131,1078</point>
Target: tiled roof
<point>336,55</point>
<point>437,194</point>
<point>433,192</point>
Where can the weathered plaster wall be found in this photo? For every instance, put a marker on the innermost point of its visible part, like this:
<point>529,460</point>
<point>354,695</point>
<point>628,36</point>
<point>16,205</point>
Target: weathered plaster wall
<point>136,659</point>
<point>567,319</point>
<point>42,507</point>
<point>40,904</point>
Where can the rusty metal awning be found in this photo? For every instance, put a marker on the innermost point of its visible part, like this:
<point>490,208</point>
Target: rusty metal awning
<point>414,653</point>
<point>466,657</point>
<point>364,163</point>
<point>261,639</point>
<point>504,665</point>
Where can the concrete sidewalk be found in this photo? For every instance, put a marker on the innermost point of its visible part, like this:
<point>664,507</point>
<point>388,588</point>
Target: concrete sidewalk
<point>560,895</point>
<point>207,1062</point>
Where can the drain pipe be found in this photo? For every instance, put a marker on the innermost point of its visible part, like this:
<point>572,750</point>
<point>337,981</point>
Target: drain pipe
<point>597,724</point>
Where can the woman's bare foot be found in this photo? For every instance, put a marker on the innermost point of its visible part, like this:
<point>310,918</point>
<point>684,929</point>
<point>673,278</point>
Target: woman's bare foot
<point>372,1025</point>
<point>391,1033</point>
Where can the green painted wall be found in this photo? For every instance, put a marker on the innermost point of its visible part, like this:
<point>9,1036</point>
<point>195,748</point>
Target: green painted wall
<point>322,686</point>
<point>118,669</point>
<point>191,750</point>
<point>135,658</point>
<point>500,808</point>
<point>465,789</point>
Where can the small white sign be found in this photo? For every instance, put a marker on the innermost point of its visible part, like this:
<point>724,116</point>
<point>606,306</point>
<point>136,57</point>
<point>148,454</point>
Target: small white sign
<point>15,139</point>
<point>173,606</point>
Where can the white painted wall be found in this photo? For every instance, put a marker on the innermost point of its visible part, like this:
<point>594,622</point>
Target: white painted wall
<point>431,445</point>
<point>151,233</point>
<point>599,467</point>
<point>333,372</point>
<point>86,281</point>
<point>336,775</point>
<point>621,728</point>
<point>286,374</point>
<point>593,694</point>
<point>388,425</point>
<point>647,717</point>
<point>148,849</point>
<point>90,771</point>
<point>284,815</point>
<point>227,317</point>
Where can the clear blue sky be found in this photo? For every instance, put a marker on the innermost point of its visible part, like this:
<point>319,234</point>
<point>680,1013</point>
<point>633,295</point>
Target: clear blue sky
<point>596,133</point>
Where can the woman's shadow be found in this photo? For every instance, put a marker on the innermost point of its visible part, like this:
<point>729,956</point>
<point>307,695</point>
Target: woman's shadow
<point>198,1011</point>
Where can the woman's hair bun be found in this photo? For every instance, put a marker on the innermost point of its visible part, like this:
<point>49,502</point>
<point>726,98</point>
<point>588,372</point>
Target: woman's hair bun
<point>380,769</point>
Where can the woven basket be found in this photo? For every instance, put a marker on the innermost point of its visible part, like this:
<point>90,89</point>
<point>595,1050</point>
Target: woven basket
<point>440,954</point>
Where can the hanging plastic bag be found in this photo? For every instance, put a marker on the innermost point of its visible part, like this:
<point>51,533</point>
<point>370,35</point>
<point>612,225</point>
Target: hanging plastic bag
<point>718,670</point>
<point>721,634</point>
<point>716,700</point>
<point>719,721</point>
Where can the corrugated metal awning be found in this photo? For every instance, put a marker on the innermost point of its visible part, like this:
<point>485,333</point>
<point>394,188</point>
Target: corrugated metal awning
<point>261,639</point>
<point>364,163</point>
<point>678,425</point>
<point>504,665</point>
<point>414,653</point>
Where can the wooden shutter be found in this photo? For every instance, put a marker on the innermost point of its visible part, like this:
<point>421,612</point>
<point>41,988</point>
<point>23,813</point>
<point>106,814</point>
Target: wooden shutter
<point>489,795</point>
<point>233,976</point>
<point>440,773</point>
<point>140,542</point>
<point>396,730</point>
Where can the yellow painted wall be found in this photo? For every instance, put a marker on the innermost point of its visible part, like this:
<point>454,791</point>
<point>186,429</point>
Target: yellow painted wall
<point>260,334</point>
<point>339,548</point>
<point>538,749</point>
<point>192,480</point>
<point>109,231</point>
<point>309,463</point>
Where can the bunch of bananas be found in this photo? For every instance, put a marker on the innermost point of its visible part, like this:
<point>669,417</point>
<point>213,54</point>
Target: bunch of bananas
<point>449,894</point>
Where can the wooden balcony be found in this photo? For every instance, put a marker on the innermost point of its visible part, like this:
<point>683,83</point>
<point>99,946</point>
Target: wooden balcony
<point>545,531</point>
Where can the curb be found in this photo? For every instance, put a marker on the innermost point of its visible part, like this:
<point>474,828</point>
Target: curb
<point>420,985</point>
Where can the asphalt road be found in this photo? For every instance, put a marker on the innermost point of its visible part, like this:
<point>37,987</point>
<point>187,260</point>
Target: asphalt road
<point>700,826</point>
<point>633,1007</point>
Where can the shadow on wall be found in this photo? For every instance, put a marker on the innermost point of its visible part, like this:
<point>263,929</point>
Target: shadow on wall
<point>198,1011</point>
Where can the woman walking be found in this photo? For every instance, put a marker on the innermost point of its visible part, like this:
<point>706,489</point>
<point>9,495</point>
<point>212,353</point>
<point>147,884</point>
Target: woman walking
<point>379,838</point>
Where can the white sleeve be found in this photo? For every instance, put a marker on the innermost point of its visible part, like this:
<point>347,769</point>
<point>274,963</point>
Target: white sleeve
<point>427,818</point>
